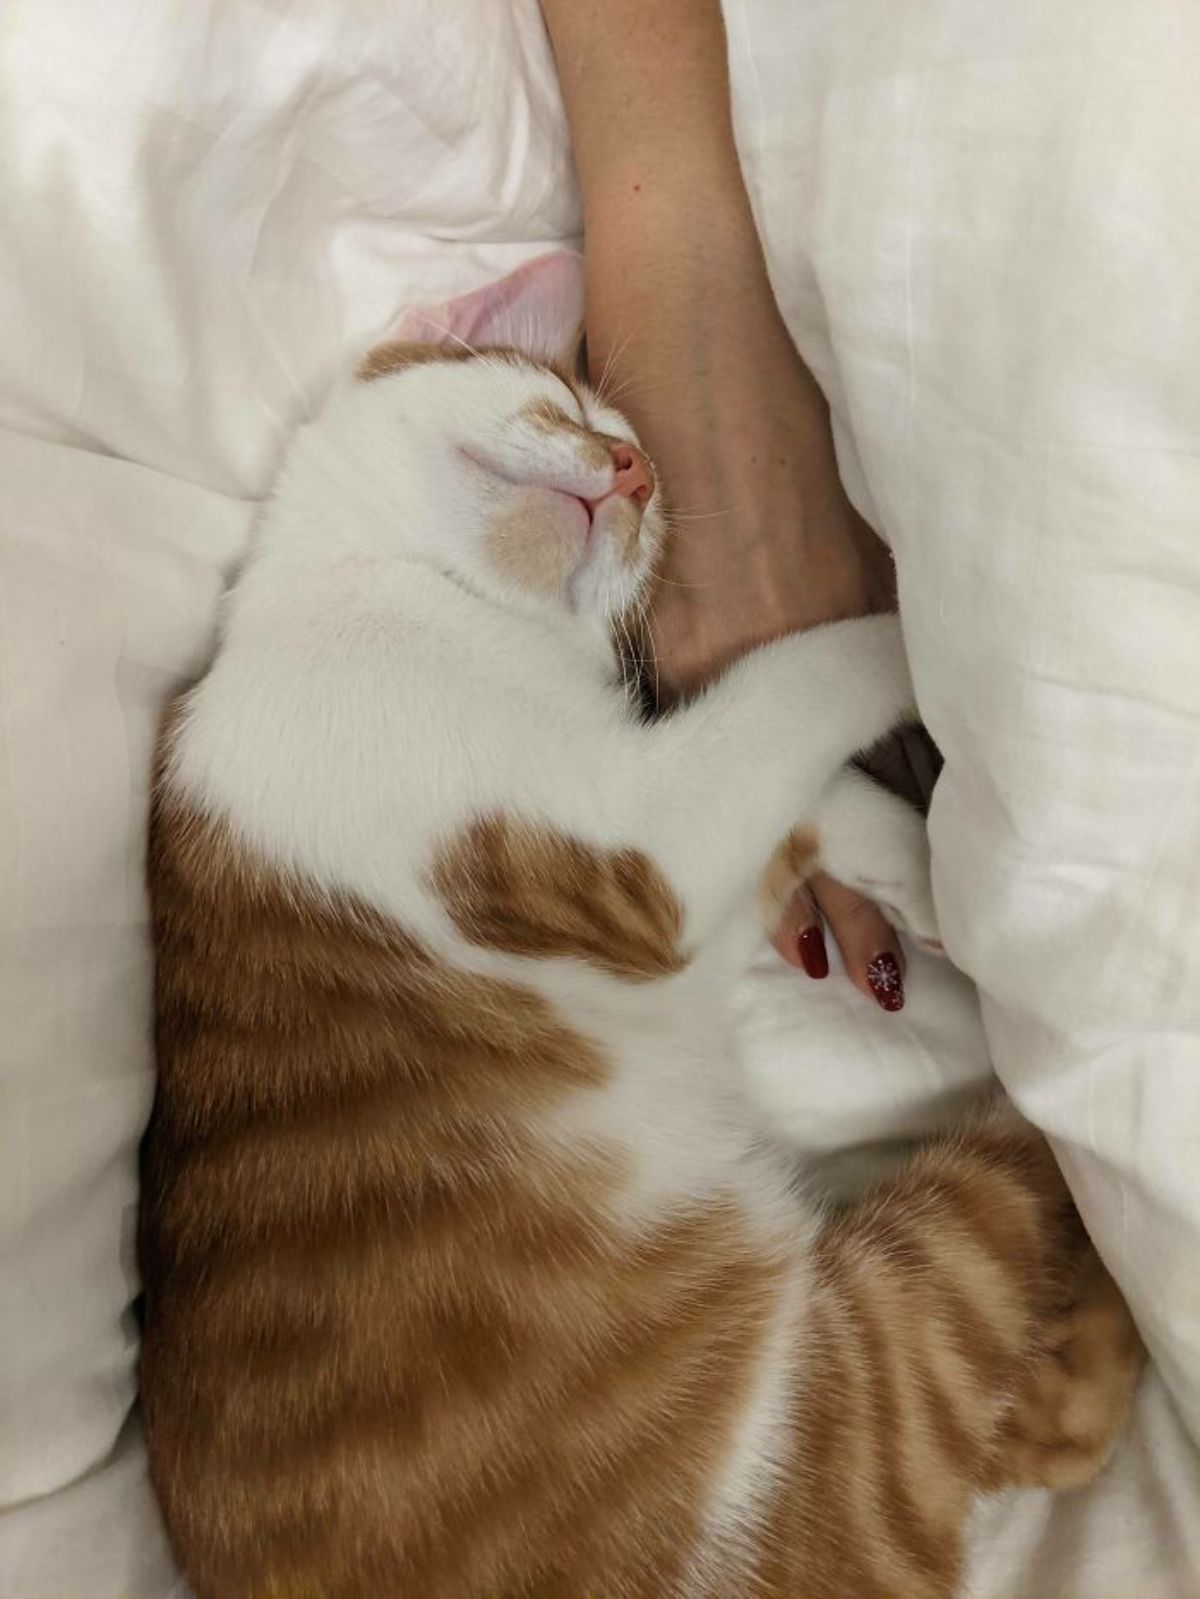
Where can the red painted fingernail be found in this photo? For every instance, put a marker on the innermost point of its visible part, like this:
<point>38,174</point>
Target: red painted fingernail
<point>813,955</point>
<point>887,985</point>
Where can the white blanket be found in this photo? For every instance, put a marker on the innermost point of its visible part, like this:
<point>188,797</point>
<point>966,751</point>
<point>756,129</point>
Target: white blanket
<point>982,225</point>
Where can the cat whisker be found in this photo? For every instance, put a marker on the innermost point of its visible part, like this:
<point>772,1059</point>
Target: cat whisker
<point>630,664</point>
<point>447,334</point>
<point>631,386</point>
<point>653,663</point>
<point>702,516</point>
<point>641,616</point>
<point>615,352</point>
<point>678,583</point>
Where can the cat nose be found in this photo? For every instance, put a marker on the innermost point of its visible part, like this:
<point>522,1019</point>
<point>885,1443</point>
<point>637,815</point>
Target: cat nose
<point>633,476</point>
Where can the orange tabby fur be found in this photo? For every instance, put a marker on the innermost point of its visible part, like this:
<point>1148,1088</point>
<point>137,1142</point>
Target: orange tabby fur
<point>530,892</point>
<point>344,1216</point>
<point>393,1349</point>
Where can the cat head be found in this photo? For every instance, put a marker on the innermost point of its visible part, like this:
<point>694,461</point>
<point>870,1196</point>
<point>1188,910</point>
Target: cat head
<point>510,474</point>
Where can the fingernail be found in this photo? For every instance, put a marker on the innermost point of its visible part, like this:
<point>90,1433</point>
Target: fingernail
<point>887,985</point>
<point>813,955</point>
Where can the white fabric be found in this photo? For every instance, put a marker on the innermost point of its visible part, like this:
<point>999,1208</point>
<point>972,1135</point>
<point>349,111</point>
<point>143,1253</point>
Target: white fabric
<point>110,576</point>
<point>982,225</point>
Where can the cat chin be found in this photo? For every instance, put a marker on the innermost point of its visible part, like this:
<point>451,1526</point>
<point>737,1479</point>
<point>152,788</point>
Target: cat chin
<point>607,602</point>
<point>609,583</point>
<point>602,585</point>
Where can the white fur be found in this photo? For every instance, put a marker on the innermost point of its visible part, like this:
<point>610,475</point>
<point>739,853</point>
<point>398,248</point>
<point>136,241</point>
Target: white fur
<point>379,685</point>
<point>874,842</point>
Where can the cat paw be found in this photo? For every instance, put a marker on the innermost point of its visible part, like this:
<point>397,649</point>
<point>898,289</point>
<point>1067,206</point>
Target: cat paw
<point>910,907</point>
<point>1072,1403</point>
<point>875,843</point>
<point>900,885</point>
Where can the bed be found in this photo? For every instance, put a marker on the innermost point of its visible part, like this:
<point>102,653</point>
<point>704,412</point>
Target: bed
<point>982,226</point>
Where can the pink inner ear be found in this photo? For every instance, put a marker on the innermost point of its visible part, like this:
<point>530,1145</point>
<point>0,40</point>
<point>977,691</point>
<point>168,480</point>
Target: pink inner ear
<point>538,309</point>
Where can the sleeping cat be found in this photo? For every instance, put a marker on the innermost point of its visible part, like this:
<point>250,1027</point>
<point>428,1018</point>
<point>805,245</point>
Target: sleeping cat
<point>470,1274</point>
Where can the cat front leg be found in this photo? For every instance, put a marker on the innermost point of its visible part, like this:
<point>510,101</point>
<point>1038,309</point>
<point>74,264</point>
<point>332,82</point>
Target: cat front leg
<point>720,782</point>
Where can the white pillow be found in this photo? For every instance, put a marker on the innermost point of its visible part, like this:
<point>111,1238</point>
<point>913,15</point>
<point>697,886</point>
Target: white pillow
<point>982,223</point>
<point>110,577</point>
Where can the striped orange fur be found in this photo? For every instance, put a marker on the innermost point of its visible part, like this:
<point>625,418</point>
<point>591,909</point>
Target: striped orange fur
<point>394,1348</point>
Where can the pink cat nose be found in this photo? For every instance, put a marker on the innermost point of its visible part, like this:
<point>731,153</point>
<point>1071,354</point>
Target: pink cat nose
<point>633,476</point>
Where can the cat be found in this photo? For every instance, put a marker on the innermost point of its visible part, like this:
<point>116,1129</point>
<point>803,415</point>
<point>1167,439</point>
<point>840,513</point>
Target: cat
<point>469,1272</point>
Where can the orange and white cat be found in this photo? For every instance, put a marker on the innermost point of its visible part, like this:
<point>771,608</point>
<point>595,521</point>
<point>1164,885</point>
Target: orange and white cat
<point>470,1271</point>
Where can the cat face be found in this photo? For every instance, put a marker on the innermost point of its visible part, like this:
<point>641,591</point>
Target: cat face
<point>534,488</point>
<point>488,458</point>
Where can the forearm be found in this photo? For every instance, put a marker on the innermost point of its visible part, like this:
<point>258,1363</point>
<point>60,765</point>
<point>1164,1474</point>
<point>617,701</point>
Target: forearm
<point>666,214</point>
<point>646,87</point>
<point>684,331</point>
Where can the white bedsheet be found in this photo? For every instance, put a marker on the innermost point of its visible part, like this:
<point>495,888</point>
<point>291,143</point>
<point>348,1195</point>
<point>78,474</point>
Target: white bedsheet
<point>982,227</point>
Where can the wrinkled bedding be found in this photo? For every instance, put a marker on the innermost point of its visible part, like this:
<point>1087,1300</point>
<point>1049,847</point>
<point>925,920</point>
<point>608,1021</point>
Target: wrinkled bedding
<point>981,223</point>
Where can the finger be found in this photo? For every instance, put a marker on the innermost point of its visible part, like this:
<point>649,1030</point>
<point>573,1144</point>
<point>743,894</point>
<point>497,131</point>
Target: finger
<point>868,942</point>
<point>799,936</point>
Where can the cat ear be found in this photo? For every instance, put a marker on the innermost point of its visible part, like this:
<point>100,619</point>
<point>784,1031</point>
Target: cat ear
<point>538,310</point>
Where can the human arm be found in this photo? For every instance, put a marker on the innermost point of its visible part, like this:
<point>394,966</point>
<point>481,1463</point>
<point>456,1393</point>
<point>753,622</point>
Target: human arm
<point>684,332</point>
